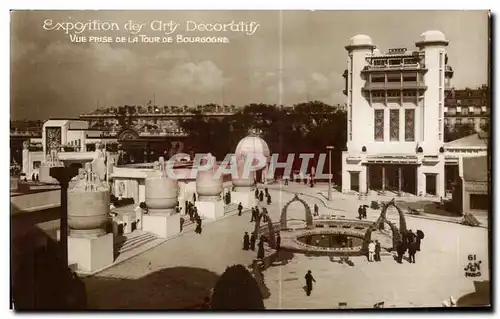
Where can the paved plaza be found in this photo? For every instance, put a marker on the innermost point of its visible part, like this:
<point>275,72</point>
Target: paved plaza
<point>181,271</point>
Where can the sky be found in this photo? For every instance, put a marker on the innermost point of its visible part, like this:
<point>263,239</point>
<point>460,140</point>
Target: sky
<point>53,77</point>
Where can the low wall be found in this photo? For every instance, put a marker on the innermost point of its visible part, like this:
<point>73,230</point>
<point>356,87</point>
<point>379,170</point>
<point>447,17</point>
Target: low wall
<point>35,201</point>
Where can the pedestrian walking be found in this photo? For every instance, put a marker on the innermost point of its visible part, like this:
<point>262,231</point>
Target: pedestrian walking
<point>400,249</point>
<point>198,226</point>
<point>240,208</point>
<point>278,242</point>
<point>260,251</point>
<point>309,282</point>
<point>252,241</point>
<point>246,241</point>
<point>377,250</point>
<point>412,251</point>
<point>371,251</point>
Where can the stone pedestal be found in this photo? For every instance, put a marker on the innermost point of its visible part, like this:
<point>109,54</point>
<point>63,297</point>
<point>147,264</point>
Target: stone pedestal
<point>210,209</point>
<point>247,198</point>
<point>163,225</point>
<point>128,219</point>
<point>90,253</point>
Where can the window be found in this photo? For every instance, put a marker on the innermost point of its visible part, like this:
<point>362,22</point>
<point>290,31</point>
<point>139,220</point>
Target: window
<point>394,62</point>
<point>409,93</point>
<point>379,62</point>
<point>471,121</point>
<point>36,164</point>
<point>409,77</point>
<point>378,79</point>
<point>459,102</point>
<point>465,111</point>
<point>409,125</point>
<point>394,124</point>
<point>482,122</point>
<point>394,78</point>
<point>378,94</point>
<point>393,94</point>
<point>379,125</point>
<point>458,121</point>
<point>410,61</point>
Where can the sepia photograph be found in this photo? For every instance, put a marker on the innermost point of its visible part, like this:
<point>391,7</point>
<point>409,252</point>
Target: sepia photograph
<point>250,160</point>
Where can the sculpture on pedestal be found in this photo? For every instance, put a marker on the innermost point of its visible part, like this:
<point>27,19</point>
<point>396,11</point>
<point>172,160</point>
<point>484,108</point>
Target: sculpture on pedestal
<point>209,188</point>
<point>52,160</point>
<point>243,184</point>
<point>161,191</point>
<point>162,194</point>
<point>208,185</point>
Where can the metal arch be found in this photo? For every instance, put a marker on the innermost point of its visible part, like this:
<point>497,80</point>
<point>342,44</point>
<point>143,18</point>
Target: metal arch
<point>396,233</point>
<point>284,212</point>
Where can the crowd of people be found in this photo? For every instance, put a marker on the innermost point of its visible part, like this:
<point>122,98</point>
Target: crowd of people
<point>410,242</point>
<point>259,195</point>
<point>194,217</point>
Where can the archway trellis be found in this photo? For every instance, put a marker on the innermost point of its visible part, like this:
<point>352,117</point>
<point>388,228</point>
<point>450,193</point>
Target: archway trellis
<point>396,233</point>
<point>271,236</point>
<point>284,212</point>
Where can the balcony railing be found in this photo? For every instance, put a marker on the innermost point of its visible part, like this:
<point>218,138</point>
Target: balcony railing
<point>395,85</point>
<point>396,66</point>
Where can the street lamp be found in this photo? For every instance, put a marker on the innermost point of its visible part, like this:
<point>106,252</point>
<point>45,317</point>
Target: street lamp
<point>330,148</point>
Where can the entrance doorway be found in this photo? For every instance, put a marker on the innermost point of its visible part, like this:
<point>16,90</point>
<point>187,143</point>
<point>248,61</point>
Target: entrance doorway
<point>479,202</point>
<point>392,177</point>
<point>375,177</point>
<point>354,181</point>
<point>451,176</point>
<point>430,184</point>
<point>408,179</point>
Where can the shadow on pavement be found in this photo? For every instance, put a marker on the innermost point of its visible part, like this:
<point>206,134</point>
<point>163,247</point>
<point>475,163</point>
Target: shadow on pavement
<point>169,288</point>
<point>480,298</point>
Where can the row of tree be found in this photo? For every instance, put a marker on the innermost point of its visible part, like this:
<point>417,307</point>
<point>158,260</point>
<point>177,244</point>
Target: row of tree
<point>306,128</point>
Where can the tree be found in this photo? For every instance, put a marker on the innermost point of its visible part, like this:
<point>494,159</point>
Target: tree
<point>236,289</point>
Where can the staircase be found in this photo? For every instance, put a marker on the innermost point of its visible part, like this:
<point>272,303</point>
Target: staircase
<point>228,209</point>
<point>131,241</point>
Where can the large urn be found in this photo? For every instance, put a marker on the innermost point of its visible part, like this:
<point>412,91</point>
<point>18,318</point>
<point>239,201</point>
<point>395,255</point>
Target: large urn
<point>88,205</point>
<point>161,193</point>
<point>208,182</point>
<point>244,181</point>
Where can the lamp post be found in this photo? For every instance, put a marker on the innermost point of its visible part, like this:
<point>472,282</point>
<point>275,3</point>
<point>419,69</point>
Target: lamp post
<point>330,148</point>
<point>64,176</point>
